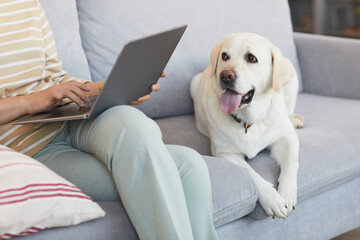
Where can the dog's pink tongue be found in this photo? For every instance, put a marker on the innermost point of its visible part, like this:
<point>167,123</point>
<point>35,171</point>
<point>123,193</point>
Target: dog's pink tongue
<point>229,101</point>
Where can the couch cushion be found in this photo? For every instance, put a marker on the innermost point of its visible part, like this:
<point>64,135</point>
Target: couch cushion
<point>182,130</point>
<point>106,25</point>
<point>63,19</point>
<point>329,144</point>
<point>233,191</point>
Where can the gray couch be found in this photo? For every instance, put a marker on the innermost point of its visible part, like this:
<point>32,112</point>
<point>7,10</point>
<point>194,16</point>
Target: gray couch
<point>89,35</point>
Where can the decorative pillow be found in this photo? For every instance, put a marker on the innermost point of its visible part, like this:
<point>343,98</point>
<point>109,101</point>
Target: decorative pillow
<point>33,198</point>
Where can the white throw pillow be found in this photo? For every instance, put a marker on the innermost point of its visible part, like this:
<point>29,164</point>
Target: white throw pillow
<point>33,198</point>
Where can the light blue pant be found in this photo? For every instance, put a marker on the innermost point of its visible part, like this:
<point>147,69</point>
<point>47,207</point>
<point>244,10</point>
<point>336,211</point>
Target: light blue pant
<point>165,189</point>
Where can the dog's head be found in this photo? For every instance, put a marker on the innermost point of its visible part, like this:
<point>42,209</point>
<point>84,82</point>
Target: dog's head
<point>245,65</point>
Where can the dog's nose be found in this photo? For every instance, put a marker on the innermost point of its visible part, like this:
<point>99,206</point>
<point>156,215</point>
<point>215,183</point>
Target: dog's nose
<point>227,76</point>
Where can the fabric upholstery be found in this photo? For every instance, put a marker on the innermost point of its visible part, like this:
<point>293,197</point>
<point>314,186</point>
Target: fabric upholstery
<point>182,130</point>
<point>329,65</point>
<point>233,191</point>
<point>63,19</point>
<point>323,216</point>
<point>106,25</point>
<point>311,220</point>
<point>328,141</point>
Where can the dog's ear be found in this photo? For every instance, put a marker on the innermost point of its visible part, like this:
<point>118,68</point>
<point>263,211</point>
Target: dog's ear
<point>283,72</point>
<point>214,57</point>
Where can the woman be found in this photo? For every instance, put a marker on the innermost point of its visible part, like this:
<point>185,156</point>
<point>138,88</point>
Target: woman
<point>165,189</point>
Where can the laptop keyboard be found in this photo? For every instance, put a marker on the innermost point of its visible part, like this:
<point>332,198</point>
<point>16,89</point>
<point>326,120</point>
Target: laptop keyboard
<point>72,109</point>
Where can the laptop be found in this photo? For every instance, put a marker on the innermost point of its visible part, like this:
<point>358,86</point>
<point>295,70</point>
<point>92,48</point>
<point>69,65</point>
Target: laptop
<point>138,66</point>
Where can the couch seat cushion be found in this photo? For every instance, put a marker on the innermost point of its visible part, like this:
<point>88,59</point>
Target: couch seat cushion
<point>233,192</point>
<point>182,130</point>
<point>329,144</point>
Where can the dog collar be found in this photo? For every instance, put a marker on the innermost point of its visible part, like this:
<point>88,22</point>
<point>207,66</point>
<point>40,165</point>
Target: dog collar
<point>239,120</point>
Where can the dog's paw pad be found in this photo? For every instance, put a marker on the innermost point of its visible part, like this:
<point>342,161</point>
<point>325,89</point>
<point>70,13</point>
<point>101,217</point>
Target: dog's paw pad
<point>297,121</point>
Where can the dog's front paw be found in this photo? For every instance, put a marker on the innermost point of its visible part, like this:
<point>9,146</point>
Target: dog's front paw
<point>297,121</point>
<point>271,201</point>
<point>289,193</point>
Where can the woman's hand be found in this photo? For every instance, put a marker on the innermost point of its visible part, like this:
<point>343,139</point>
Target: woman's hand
<point>48,98</point>
<point>75,91</point>
<point>154,87</point>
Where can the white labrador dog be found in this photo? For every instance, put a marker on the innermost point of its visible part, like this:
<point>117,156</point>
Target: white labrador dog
<point>244,102</point>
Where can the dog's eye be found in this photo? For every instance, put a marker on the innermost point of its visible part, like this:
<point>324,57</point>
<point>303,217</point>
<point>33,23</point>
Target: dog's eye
<point>251,58</point>
<point>224,56</point>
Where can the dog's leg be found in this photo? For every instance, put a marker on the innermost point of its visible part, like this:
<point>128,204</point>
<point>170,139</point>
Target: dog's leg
<point>271,201</point>
<point>290,96</point>
<point>286,153</point>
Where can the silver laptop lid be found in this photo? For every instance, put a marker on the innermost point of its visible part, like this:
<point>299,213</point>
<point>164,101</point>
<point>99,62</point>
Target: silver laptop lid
<point>138,66</point>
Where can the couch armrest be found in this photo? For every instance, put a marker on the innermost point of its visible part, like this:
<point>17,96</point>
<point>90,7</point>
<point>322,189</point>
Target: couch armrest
<point>329,65</point>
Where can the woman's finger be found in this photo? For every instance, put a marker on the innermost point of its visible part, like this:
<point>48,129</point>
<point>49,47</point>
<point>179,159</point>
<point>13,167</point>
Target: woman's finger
<point>75,91</point>
<point>136,102</point>
<point>73,97</point>
<point>163,74</point>
<point>155,87</point>
<point>85,87</point>
<point>81,94</point>
<point>144,98</point>
<point>74,84</point>
<point>140,100</point>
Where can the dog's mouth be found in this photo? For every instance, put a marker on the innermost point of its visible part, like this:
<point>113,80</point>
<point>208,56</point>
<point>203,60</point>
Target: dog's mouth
<point>230,100</point>
<point>248,97</point>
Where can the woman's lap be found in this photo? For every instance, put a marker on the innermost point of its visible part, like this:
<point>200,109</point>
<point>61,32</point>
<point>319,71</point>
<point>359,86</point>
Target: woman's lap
<point>86,171</point>
<point>80,168</point>
<point>89,173</point>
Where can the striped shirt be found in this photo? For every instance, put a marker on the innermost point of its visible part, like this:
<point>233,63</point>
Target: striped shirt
<point>28,63</point>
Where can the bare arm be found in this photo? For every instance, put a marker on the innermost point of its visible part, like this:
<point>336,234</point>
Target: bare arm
<point>14,107</point>
<point>11,108</point>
